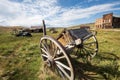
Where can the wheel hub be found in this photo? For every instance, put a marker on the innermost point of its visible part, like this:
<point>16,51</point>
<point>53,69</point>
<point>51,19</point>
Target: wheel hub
<point>80,46</point>
<point>50,62</point>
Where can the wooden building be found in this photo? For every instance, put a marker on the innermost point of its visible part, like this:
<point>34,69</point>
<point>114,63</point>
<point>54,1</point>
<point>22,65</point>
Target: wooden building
<point>36,29</point>
<point>116,22</point>
<point>99,23</point>
<point>108,21</point>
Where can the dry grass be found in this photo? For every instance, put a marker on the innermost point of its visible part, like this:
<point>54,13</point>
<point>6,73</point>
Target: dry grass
<point>20,58</point>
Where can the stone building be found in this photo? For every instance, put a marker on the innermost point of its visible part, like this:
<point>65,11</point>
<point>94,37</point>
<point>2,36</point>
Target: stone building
<point>108,21</point>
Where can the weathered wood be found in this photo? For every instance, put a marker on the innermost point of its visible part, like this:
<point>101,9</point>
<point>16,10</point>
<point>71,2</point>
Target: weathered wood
<point>69,36</point>
<point>44,28</point>
<point>79,33</point>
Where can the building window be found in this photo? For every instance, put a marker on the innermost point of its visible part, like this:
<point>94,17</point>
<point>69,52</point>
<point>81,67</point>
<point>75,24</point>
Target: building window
<point>104,21</point>
<point>109,20</point>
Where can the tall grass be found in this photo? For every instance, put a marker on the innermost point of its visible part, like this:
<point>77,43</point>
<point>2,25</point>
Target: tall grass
<point>20,58</point>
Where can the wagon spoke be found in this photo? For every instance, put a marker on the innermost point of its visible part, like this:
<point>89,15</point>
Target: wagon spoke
<point>44,55</point>
<point>56,58</point>
<point>45,47</point>
<point>87,51</point>
<point>89,43</point>
<point>53,46</point>
<point>63,71</point>
<point>63,65</point>
<point>92,52</point>
<point>61,57</point>
<point>45,51</point>
<point>84,52</point>
<point>55,52</point>
<point>50,43</point>
<point>60,72</point>
<point>89,48</point>
<point>51,49</point>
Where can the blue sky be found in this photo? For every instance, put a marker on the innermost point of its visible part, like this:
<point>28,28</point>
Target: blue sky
<point>56,13</point>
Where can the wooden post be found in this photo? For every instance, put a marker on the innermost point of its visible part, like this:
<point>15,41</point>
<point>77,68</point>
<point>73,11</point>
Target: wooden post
<point>44,28</point>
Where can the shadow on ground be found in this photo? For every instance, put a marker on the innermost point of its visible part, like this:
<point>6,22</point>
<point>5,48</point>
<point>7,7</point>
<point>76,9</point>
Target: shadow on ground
<point>97,71</point>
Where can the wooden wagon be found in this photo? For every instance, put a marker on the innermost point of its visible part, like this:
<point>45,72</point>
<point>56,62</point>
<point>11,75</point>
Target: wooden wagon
<point>56,52</point>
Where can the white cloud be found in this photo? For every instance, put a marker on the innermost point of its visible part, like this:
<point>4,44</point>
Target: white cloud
<point>68,16</point>
<point>27,12</point>
<point>8,8</point>
<point>31,12</point>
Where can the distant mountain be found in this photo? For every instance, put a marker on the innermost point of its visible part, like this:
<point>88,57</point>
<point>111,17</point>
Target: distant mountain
<point>9,28</point>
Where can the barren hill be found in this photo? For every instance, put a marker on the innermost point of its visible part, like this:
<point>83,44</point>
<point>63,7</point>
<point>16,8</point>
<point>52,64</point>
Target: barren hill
<point>87,24</point>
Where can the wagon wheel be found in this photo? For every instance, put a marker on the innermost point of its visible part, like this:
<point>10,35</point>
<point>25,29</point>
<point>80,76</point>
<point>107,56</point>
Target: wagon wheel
<point>89,48</point>
<point>55,57</point>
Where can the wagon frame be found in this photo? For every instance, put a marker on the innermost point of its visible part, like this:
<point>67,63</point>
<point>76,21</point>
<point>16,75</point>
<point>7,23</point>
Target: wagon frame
<point>56,52</point>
